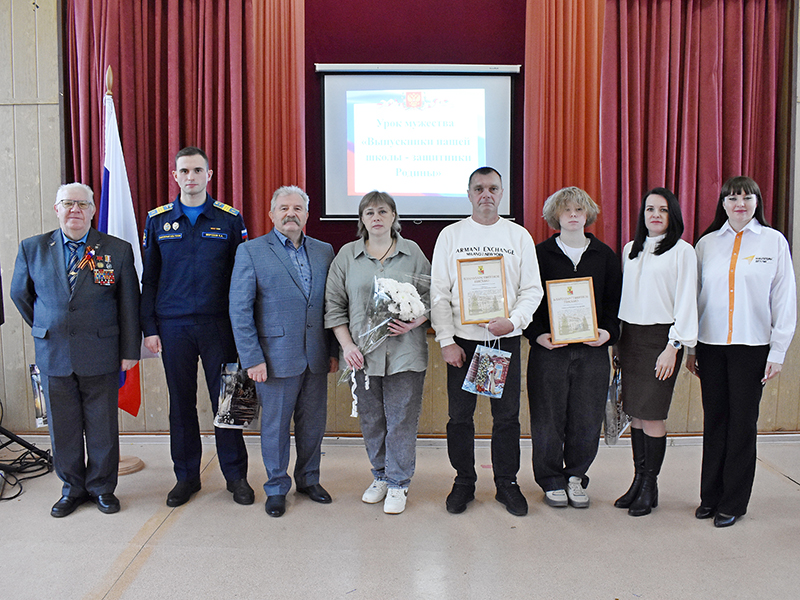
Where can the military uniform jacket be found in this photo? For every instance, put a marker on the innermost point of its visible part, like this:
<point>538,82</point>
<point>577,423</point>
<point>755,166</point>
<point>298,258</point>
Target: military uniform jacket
<point>187,269</point>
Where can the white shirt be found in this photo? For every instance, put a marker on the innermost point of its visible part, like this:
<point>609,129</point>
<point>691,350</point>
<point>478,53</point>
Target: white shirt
<point>760,307</point>
<point>469,239</point>
<point>661,289</point>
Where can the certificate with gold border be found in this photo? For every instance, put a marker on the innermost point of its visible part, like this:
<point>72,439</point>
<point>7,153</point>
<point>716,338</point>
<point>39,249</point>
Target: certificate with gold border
<point>573,317</point>
<point>482,289</point>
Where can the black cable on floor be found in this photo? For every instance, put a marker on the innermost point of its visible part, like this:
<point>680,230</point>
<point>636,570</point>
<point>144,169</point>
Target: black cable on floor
<point>26,465</point>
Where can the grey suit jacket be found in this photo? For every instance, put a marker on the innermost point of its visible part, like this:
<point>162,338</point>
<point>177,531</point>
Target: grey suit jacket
<point>86,332</point>
<point>273,320</point>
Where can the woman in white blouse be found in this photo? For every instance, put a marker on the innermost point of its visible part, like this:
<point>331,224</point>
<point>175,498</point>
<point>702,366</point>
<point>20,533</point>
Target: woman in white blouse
<point>747,308</point>
<point>659,317</point>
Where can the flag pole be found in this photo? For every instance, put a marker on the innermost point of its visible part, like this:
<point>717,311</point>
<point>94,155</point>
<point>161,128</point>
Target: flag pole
<point>127,464</point>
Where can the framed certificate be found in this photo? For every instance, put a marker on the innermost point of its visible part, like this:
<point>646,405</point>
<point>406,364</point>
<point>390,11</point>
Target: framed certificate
<point>573,317</point>
<point>482,289</point>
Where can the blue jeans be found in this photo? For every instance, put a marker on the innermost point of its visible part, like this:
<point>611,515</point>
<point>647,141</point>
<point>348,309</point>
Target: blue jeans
<point>567,389</point>
<point>389,416</point>
<point>505,419</point>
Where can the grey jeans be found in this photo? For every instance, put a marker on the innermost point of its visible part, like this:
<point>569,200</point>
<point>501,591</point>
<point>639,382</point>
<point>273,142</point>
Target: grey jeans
<point>389,416</point>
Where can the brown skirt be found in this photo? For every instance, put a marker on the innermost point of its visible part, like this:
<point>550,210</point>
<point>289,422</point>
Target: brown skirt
<point>643,395</point>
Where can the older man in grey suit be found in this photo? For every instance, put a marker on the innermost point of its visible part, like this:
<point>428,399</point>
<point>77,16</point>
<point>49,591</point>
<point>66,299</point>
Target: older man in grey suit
<point>277,305</point>
<point>78,290</point>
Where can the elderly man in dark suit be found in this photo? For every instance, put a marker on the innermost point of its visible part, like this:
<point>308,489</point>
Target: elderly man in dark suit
<point>78,290</point>
<point>277,305</point>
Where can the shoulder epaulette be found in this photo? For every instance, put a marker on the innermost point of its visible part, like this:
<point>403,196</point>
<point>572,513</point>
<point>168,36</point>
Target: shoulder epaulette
<point>160,209</point>
<point>225,207</point>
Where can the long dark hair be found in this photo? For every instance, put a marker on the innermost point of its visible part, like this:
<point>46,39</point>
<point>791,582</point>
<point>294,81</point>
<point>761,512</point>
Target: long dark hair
<point>737,185</point>
<point>674,224</point>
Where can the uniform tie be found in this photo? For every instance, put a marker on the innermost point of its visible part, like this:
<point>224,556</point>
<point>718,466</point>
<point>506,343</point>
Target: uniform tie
<point>72,267</point>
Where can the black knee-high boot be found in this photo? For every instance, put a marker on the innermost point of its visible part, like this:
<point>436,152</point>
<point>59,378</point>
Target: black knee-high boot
<point>654,449</point>
<point>637,446</point>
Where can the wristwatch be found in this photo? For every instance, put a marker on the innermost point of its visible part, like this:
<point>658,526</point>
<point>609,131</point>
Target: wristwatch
<point>675,344</point>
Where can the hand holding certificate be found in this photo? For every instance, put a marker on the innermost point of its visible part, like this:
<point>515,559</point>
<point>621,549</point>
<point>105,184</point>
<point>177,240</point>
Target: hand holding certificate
<point>573,318</point>
<point>482,289</point>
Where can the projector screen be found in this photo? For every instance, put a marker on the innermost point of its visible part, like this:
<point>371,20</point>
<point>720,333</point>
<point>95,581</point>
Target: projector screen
<point>415,136</point>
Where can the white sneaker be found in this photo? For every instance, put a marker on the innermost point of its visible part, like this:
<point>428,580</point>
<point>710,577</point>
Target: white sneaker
<point>395,501</point>
<point>375,492</point>
<point>557,498</point>
<point>577,495</point>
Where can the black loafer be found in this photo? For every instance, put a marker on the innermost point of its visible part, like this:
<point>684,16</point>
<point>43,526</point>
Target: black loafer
<point>704,512</point>
<point>511,497</point>
<point>317,493</point>
<point>107,503</point>
<point>459,497</point>
<point>182,491</point>
<point>276,505</point>
<point>242,492</point>
<point>723,520</point>
<point>66,506</point>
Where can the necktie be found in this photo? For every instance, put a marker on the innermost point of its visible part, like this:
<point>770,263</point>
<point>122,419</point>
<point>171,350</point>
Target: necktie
<point>72,267</point>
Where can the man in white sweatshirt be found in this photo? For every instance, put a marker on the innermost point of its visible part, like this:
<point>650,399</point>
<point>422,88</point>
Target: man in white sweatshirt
<point>483,234</point>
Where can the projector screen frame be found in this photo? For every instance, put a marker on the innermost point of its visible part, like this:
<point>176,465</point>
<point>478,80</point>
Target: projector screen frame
<point>508,171</point>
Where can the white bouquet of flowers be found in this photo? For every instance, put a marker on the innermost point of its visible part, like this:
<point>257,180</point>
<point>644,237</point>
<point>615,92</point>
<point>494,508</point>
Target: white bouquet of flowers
<point>391,299</point>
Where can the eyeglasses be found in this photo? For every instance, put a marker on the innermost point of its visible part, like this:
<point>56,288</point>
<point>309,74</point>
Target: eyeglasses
<point>82,204</point>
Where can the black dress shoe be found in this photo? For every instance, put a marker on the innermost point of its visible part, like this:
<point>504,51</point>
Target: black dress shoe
<point>723,520</point>
<point>511,497</point>
<point>242,492</point>
<point>459,497</point>
<point>182,491</point>
<point>66,506</point>
<point>276,505</point>
<point>107,503</point>
<point>704,512</point>
<point>317,493</point>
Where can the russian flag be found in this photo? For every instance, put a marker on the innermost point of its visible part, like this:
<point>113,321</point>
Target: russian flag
<point>117,218</point>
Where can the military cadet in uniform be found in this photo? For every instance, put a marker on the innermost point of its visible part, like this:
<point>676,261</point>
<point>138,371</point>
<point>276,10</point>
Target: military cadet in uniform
<point>189,251</point>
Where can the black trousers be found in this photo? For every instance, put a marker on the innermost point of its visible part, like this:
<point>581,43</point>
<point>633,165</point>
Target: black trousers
<point>730,379</point>
<point>505,419</point>
<point>567,389</point>
<point>183,342</point>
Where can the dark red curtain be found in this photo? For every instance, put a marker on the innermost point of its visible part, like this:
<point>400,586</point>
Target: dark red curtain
<point>182,76</point>
<point>692,92</point>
